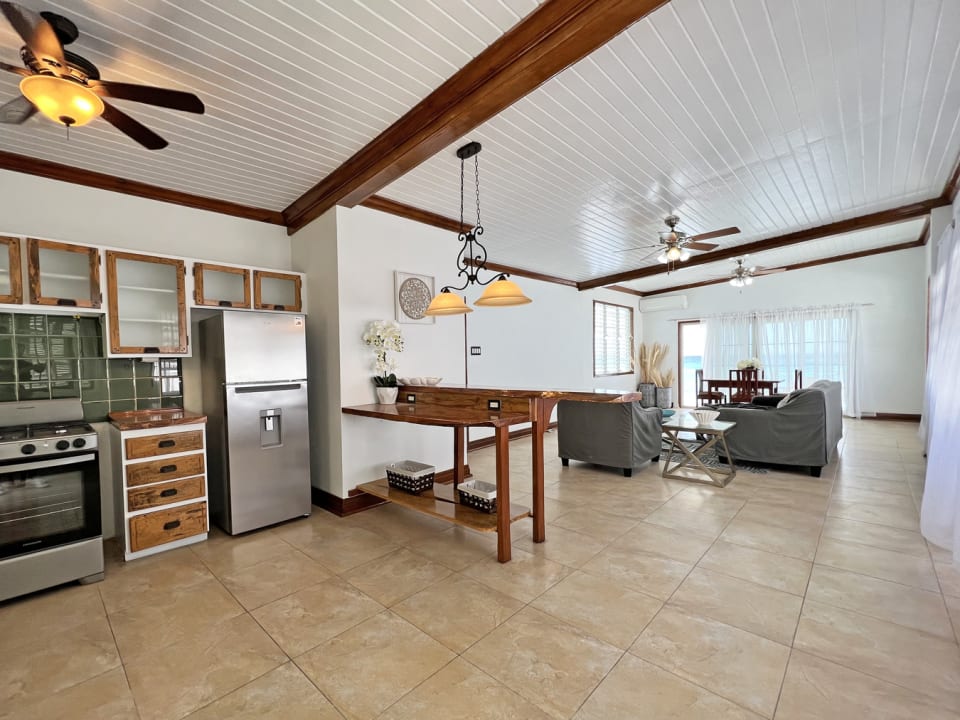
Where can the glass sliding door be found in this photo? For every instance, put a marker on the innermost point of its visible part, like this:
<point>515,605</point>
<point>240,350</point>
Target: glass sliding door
<point>691,339</point>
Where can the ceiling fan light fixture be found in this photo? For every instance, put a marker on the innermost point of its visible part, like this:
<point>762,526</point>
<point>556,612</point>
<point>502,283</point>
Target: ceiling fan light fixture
<point>748,280</point>
<point>447,303</point>
<point>674,253</point>
<point>662,258</point>
<point>736,282</point>
<point>64,101</point>
<point>502,292</point>
<point>684,255</point>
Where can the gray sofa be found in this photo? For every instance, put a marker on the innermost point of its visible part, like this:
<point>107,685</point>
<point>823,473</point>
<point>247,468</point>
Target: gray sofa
<point>804,432</point>
<point>621,435</point>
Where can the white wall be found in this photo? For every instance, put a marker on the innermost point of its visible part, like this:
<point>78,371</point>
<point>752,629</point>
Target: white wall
<point>893,329</point>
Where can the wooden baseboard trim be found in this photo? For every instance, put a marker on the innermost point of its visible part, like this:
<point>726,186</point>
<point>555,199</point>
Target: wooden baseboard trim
<point>358,501</point>
<point>490,441</point>
<point>901,417</point>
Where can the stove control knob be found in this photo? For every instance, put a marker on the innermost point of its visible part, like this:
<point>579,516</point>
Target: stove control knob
<point>79,442</point>
<point>28,449</point>
<point>63,444</point>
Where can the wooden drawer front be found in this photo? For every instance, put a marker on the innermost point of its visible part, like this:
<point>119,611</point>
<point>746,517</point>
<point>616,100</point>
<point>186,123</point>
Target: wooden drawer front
<point>165,493</point>
<point>159,470</point>
<point>154,445</point>
<point>164,526</point>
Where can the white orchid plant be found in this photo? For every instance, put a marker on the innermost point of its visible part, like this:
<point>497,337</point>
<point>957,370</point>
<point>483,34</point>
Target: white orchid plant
<point>749,364</point>
<point>384,336</point>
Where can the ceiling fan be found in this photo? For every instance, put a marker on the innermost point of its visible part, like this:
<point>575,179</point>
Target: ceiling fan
<point>744,275</point>
<point>67,87</point>
<point>676,245</point>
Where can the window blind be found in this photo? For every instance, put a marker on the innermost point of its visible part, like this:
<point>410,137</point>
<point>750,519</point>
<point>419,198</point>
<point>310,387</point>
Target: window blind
<point>612,339</point>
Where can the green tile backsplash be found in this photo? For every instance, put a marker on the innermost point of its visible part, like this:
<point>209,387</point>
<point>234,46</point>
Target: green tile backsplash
<point>59,356</point>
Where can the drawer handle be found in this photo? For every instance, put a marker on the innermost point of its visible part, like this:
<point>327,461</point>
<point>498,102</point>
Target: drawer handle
<point>279,307</point>
<point>66,302</point>
<point>172,525</point>
<point>166,443</point>
<point>168,469</point>
<point>169,492</point>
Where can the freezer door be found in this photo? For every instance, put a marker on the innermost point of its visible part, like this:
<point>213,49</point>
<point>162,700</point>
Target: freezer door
<point>268,454</point>
<point>263,346</point>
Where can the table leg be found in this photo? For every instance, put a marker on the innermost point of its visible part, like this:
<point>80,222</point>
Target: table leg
<point>541,408</point>
<point>503,493</point>
<point>458,470</point>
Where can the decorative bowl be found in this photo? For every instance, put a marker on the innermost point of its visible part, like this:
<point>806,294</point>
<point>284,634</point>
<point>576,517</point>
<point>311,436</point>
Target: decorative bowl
<point>704,417</point>
<point>432,380</point>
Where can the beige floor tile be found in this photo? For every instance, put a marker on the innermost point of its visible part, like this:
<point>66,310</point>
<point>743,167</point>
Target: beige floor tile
<point>905,518</point>
<point>171,617</point>
<point>706,500</point>
<point>939,554</point>
<point>780,516</point>
<point>315,614</point>
<point>692,522</point>
<point>550,663</point>
<point>43,616</point>
<point>666,542</point>
<point>600,607</point>
<point>874,497</point>
<point>372,665</point>
<point>815,689</point>
<point>391,578</point>
<point>141,580</point>
<point>913,660</point>
<point>881,536</point>
<point>764,611</point>
<point>891,601</point>
<point>348,547</point>
<point>636,689</point>
<point>735,664</point>
<point>567,547</point>
<point>35,670</point>
<point>105,697</point>
<point>461,691</point>
<point>602,526</point>
<point>226,553</point>
<point>949,577</point>
<point>650,574</point>
<point>800,544</point>
<point>525,577</point>
<point>758,566</point>
<point>258,584</point>
<point>953,609</point>
<point>804,502</point>
<point>627,506</point>
<point>282,694</point>
<point>850,480</point>
<point>578,494</point>
<point>878,563</point>
<point>457,547</point>
<point>397,524</point>
<point>457,611</point>
<point>187,675</point>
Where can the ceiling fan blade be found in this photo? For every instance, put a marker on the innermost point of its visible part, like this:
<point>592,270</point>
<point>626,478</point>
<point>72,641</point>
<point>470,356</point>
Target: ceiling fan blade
<point>133,128</point>
<point>37,34</point>
<point>700,246</point>
<point>639,247</point>
<point>17,111</point>
<point>14,69</point>
<point>162,97</point>
<point>768,271</point>
<point>714,234</point>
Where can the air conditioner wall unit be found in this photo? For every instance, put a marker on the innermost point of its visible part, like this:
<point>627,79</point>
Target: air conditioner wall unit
<point>663,302</point>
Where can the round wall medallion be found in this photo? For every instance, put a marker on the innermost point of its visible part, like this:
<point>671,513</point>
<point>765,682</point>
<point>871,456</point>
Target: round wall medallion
<point>414,298</point>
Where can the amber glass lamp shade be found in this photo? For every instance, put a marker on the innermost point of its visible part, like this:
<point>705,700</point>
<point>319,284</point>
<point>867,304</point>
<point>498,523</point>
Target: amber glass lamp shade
<point>447,303</point>
<point>63,101</point>
<point>502,292</point>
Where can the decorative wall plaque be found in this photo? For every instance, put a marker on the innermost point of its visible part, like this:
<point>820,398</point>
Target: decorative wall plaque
<point>412,295</point>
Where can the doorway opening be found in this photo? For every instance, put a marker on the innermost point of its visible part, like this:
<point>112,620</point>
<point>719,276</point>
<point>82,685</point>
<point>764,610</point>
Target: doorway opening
<point>691,340</point>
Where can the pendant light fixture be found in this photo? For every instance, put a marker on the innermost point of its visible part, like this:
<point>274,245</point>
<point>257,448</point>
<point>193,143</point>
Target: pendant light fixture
<point>472,258</point>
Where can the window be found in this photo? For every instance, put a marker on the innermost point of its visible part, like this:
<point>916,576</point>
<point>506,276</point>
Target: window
<point>612,339</point>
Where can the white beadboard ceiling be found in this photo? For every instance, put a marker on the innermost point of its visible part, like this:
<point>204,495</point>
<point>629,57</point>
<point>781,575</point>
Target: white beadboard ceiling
<point>829,247</point>
<point>292,87</point>
<point>771,115</point>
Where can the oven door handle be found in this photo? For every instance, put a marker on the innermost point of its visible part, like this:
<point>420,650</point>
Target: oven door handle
<point>41,464</point>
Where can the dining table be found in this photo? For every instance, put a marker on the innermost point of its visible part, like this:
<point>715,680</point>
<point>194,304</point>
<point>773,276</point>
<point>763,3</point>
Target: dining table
<point>766,387</point>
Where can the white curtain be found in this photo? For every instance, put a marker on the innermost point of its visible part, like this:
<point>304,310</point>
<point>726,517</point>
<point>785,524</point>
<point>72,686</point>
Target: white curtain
<point>940,509</point>
<point>729,339</point>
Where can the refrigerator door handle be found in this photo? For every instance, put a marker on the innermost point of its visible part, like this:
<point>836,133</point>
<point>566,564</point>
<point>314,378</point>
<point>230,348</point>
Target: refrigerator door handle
<point>242,389</point>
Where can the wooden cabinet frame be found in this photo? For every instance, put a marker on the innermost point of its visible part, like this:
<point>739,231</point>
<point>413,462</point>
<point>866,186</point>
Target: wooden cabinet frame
<point>33,272</point>
<point>113,307</point>
<point>16,279</point>
<point>258,303</point>
<point>200,299</point>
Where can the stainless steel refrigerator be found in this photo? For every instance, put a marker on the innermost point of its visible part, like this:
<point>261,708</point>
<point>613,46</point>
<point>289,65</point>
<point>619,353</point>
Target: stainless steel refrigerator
<point>254,374</point>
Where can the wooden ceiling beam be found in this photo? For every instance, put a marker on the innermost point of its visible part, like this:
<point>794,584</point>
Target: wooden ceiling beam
<point>378,202</point>
<point>548,40</point>
<point>863,222</point>
<point>101,181</point>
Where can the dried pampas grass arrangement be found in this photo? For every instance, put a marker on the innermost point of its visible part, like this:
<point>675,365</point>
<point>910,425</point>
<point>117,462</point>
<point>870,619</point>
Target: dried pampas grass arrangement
<point>651,358</point>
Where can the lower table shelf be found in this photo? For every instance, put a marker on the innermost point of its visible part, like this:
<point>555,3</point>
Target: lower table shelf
<point>427,503</point>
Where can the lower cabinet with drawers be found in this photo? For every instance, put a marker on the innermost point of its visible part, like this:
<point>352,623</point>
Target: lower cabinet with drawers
<point>159,465</point>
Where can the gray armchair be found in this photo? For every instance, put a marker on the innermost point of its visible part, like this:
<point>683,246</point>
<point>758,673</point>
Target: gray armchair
<point>803,432</point>
<point>621,435</point>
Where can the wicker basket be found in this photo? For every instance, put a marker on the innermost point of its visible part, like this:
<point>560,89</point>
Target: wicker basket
<point>410,476</point>
<point>479,495</point>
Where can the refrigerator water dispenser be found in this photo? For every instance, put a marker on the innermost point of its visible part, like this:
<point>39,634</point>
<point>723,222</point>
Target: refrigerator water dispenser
<point>270,423</point>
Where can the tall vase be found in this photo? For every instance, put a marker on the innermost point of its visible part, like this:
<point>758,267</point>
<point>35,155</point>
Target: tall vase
<point>386,395</point>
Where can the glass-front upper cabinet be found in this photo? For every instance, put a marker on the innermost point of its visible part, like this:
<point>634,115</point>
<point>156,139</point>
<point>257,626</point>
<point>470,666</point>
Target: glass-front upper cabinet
<point>63,274</point>
<point>221,285</point>
<point>276,291</point>
<point>146,304</point>
<point>11,282</point>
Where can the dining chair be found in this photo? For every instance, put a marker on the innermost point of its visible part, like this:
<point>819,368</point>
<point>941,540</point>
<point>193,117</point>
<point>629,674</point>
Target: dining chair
<point>704,393</point>
<point>797,379</point>
<point>746,385</point>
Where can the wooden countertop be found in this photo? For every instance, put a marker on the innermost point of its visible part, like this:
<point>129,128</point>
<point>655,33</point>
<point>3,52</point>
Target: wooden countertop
<point>424,414</point>
<point>581,394</point>
<point>159,418</point>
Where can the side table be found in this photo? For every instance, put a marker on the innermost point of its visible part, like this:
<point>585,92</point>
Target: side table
<point>691,465</point>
